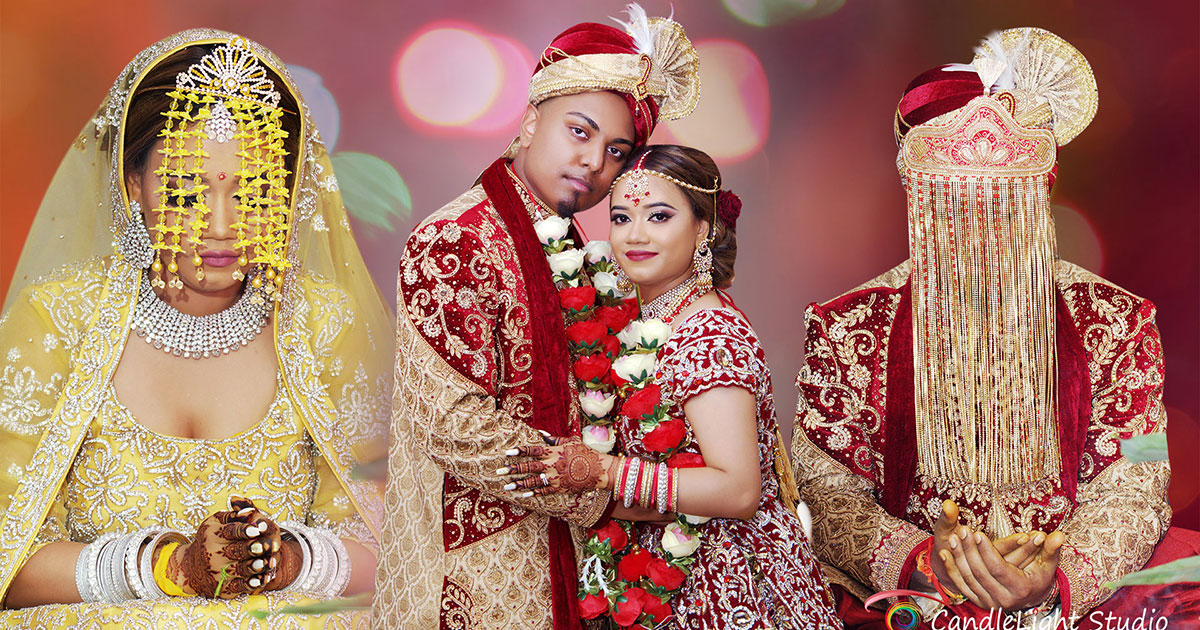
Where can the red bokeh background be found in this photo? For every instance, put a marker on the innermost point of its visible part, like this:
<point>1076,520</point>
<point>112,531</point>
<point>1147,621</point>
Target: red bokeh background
<point>804,110</point>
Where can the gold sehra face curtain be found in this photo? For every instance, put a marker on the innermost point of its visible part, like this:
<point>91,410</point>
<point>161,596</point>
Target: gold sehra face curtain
<point>68,312</point>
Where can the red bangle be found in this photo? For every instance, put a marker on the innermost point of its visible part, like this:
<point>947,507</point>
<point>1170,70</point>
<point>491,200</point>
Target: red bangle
<point>926,568</point>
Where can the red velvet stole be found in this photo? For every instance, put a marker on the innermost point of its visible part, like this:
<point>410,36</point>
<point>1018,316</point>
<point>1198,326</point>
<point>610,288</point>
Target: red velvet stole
<point>550,386</point>
<point>900,426</point>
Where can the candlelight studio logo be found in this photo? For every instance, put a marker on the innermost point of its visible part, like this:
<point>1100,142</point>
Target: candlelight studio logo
<point>902,616</point>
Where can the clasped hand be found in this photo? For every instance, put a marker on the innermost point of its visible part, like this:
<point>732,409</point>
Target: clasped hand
<point>1011,573</point>
<point>234,552</point>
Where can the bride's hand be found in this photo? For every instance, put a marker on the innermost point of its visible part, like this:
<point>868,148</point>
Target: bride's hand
<point>234,552</point>
<point>563,465</point>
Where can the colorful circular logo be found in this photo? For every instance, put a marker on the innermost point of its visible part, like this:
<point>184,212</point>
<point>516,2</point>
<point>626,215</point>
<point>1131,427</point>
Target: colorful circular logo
<point>902,616</point>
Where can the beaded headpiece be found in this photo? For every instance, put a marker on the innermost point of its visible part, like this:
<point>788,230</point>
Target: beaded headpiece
<point>228,95</point>
<point>639,186</point>
<point>978,146</point>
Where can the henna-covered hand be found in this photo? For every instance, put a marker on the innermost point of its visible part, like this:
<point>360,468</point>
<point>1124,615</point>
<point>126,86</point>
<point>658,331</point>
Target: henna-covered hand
<point>563,465</point>
<point>234,552</point>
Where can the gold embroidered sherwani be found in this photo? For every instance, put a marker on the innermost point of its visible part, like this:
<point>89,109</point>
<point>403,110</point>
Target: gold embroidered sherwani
<point>1112,511</point>
<point>458,551</point>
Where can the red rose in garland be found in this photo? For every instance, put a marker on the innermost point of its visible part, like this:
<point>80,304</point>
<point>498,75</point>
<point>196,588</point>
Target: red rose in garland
<point>642,402</point>
<point>632,567</point>
<point>664,574</point>
<point>666,436</point>
<point>656,608</point>
<point>614,534</point>
<point>686,460</point>
<point>629,610</point>
<point>615,317</point>
<point>593,606</point>
<point>577,299</point>
<point>585,335</point>
<point>611,345</point>
<point>591,368</point>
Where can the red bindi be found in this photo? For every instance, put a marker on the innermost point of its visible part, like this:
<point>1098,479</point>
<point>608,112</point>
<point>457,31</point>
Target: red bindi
<point>221,176</point>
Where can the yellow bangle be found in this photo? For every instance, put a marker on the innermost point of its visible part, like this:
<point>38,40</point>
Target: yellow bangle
<point>160,572</point>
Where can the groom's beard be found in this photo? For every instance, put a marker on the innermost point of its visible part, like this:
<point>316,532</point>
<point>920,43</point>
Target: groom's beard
<point>983,293</point>
<point>568,207</point>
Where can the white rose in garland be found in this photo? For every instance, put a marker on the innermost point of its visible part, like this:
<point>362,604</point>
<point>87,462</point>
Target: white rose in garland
<point>599,438</point>
<point>678,543</point>
<point>605,283</point>
<point>566,265</point>
<point>647,335</point>
<point>596,404</point>
<point>598,252</point>
<point>551,229</point>
<point>635,368</point>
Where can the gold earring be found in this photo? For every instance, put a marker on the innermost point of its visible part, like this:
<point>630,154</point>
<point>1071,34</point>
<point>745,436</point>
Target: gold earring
<point>702,264</point>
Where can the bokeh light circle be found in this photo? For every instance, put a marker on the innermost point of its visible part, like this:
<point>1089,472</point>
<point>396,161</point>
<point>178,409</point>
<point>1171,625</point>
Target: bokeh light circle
<point>448,75</point>
<point>516,64</point>
<point>320,102</point>
<point>733,118</point>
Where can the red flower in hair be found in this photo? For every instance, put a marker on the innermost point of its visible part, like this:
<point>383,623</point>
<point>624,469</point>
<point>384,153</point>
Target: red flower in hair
<point>729,208</point>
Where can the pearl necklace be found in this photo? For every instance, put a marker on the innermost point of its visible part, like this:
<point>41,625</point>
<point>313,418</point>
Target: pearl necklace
<point>189,336</point>
<point>669,304</point>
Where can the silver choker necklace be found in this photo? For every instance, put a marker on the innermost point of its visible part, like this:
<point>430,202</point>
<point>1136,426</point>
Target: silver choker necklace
<point>669,304</point>
<point>189,336</point>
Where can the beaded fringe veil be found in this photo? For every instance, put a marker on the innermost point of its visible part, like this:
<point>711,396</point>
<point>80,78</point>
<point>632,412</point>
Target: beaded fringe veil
<point>981,241</point>
<point>983,254</point>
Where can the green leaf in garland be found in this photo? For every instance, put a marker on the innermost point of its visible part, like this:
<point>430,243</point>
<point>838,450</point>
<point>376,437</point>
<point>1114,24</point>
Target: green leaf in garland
<point>361,601</point>
<point>1145,448</point>
<point>1182,570</point>
<point>374,193</point>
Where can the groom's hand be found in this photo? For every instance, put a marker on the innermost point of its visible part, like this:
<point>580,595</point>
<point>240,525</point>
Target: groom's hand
<point>562,465</point>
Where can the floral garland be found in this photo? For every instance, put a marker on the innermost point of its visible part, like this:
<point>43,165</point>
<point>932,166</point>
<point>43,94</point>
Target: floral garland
<point>615,361</point>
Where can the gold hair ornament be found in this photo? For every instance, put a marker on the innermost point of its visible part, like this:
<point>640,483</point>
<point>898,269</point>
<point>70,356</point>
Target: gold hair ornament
<point>226,96</point>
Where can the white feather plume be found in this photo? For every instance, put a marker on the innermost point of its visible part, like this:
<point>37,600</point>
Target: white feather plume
<point>993,48</point>
<point>638,28</point>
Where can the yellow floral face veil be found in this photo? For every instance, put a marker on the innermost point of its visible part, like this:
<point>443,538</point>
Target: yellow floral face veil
<point>71,306</point>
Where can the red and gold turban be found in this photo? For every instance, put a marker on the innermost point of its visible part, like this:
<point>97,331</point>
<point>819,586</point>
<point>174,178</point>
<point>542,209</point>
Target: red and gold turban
<point>1043,81</point>
<point>652,64</point>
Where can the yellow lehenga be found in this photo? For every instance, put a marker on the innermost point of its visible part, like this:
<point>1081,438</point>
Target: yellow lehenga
<point>75,463</point>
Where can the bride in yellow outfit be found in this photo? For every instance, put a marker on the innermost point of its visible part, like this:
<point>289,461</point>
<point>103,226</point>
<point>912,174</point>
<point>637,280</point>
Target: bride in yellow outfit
<point>193,358</point>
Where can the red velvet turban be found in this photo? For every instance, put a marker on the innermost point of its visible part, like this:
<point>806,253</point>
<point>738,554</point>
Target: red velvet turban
<point>933,93</point>
<point>590,38</point>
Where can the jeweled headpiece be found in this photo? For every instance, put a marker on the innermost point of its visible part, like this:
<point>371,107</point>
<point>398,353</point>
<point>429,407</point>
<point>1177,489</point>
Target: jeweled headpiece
<point>228,95</point>
<point>978,146</point>
<point>652,64</point>
<point>639,188</point>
